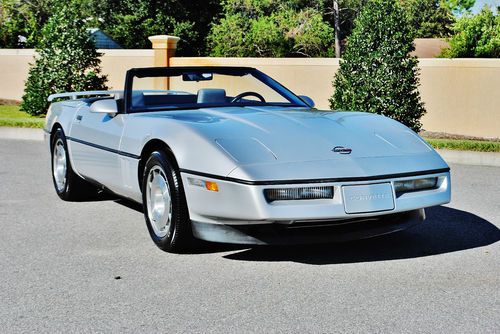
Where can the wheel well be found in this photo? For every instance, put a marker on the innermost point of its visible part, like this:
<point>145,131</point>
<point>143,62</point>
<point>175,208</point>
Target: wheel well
<point>53,131</point>
<point>150,147</point>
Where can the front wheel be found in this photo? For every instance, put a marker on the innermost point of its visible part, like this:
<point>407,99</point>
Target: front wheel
<point>165,208</point>
<point>68,185</point>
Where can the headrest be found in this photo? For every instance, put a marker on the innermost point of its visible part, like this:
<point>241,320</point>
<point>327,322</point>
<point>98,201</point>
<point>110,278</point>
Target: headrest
<point>211,95</point>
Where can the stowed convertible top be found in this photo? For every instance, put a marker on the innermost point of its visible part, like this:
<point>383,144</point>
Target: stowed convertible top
<point>75,95</point>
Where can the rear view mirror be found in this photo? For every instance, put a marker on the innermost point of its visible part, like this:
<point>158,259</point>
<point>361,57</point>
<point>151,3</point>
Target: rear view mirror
<point>307,100</point>
<point>195,76</point>
<point>107,106</point>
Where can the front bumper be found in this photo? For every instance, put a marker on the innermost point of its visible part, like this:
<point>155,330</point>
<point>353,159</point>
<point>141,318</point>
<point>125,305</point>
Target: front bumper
<point>332,231</point>
<point>239,213</point>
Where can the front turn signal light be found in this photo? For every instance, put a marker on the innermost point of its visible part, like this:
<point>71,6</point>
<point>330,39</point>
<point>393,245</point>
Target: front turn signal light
<point>212,186</point>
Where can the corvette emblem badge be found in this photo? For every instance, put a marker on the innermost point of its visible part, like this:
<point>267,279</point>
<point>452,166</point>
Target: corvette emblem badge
<point>342,150</point>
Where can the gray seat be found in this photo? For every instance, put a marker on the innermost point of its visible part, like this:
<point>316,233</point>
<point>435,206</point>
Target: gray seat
<point>211,95</point>
<point>138,100</point>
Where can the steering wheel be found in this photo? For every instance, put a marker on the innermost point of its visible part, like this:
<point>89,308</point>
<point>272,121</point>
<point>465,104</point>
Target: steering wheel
<point>238,97</point>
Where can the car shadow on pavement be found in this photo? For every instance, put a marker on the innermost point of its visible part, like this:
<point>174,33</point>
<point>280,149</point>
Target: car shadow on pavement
<point>129,204</point>
<point>445,230</point>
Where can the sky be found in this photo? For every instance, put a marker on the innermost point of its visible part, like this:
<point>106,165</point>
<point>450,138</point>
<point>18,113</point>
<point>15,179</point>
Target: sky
<point>480,3</point>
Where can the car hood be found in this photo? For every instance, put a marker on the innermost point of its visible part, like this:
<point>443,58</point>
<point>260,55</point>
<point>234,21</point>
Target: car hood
<point>265,136</point>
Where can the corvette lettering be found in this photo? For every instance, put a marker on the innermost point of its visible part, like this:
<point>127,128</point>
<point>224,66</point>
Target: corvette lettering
<point>342,150</point>
<point>369,197</point>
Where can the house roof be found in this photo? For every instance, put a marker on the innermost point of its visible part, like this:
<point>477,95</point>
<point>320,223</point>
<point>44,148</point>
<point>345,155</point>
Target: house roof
<point>103,40</point>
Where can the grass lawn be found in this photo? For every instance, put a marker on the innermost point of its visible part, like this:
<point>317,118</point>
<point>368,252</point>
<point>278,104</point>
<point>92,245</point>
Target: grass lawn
<point>464,144</point>
<point>10,115</point>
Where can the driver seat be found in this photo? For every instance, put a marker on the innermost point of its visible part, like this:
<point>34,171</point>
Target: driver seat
<point>211,95</point>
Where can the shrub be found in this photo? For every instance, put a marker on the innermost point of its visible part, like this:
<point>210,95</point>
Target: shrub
<point>67,61</point>
<point>377,73</point>
<point>475,36</point>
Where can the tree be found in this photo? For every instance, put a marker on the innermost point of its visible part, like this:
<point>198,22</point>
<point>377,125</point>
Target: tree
<point>336,18</point>
<point>459,6</point>
<point>17,19</point>
<point>9,25</point>
<point>67,61</point>
<point>377,73</point>
<point>271,28</point>
<point>131,22</point>
<point>429,18</point>
<point>348,10</point>
<point>475,36</point>
<point>25,18</point>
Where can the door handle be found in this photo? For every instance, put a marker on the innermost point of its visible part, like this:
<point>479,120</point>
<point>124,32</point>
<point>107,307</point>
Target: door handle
<point>79,118</point>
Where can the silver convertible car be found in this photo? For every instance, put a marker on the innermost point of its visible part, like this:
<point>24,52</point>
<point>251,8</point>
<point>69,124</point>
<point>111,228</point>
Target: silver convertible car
<point>227,154</point>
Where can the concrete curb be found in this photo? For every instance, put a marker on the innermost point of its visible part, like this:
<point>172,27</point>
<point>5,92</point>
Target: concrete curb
<point>450,156</point>
<point>20,133</point>
<point>471,157</point>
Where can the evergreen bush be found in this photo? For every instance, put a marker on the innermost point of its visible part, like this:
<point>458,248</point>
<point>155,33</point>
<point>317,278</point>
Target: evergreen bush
<point>67,61</point>
<point>377,73</point>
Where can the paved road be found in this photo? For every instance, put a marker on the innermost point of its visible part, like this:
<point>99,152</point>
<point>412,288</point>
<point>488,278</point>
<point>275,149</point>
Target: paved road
<point>59,262</point>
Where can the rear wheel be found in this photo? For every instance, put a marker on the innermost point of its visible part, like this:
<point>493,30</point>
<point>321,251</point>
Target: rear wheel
<point>68,185</point>
<point>165,208</point>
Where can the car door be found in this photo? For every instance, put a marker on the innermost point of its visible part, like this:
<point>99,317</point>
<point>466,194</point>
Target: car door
<point>94,145</point>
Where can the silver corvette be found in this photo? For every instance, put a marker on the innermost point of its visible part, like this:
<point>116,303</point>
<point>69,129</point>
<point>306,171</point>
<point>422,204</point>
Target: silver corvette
<point>227,154</point>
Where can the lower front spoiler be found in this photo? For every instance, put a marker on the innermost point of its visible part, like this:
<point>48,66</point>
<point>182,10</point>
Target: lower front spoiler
<point>332,231</point>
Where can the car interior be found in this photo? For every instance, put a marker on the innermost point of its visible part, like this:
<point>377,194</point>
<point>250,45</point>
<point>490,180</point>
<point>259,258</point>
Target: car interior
<point>172,99</point>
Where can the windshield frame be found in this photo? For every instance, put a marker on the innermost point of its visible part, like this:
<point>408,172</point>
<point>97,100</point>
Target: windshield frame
<point>154,72</point>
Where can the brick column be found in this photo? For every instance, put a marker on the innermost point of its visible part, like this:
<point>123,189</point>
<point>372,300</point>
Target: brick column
<point>164,47</point>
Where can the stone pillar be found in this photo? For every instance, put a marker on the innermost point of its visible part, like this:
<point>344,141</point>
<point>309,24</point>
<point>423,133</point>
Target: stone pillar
<point>164,47</point>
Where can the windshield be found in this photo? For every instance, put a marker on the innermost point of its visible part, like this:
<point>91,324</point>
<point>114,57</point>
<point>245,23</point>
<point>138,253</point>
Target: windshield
<point>151,89</point>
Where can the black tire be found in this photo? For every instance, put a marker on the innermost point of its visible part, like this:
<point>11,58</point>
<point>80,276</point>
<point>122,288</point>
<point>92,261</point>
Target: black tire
<point>177,236</point>
<point>74,188</point>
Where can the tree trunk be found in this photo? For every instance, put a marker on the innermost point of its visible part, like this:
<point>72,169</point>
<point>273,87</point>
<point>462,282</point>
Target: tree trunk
<point>336,18</point>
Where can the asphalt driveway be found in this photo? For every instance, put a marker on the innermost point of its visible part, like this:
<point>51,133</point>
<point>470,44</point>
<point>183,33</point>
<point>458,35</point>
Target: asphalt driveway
<point>91,267</point>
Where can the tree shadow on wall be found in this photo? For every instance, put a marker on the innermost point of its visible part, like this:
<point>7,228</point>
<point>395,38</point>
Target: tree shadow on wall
<point>445,230</point>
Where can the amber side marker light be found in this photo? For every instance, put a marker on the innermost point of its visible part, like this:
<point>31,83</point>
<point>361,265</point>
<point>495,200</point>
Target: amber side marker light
<point>212,186</point>
<point>209,185</point>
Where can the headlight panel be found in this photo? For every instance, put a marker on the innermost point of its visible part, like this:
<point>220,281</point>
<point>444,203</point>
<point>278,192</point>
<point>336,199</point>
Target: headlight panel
<point>406,186</point>
<point>302,193</point>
